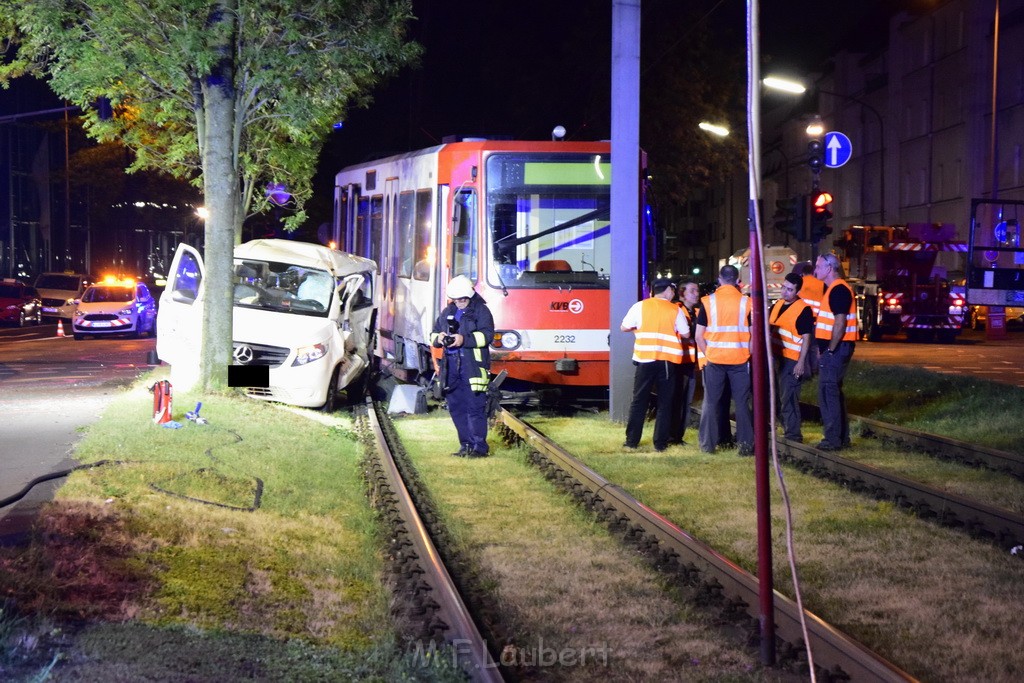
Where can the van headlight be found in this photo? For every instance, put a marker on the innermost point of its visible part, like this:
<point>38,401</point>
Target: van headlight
<point>307,354</point>
<point>128,310</point>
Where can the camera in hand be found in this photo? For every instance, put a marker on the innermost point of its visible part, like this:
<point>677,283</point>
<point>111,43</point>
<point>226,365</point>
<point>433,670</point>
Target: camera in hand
<point>453,328</point>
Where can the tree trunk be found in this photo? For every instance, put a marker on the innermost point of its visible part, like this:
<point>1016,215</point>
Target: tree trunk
<point>220,182</point>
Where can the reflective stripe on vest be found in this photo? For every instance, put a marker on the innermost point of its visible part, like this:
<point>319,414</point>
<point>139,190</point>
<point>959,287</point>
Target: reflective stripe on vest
<point>826,318</point>
<point>785,338</point>
<point>728,333</point>
<point>656,338</point>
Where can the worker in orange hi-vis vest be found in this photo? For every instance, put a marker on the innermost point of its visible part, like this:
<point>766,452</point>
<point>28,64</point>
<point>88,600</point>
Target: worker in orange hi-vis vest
<point>835,333</point>
<point>687,298</point>
<point>791,326</point>
<point>659,327</point>
<point>811,292</point>
<point>723,335</point>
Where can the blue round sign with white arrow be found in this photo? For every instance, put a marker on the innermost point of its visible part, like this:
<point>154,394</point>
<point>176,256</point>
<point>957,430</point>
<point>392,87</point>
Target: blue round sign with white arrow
<point>838,149</point>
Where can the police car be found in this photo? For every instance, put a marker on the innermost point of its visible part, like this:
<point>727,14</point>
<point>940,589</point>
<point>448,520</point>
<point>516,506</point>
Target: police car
<point>115,307</point>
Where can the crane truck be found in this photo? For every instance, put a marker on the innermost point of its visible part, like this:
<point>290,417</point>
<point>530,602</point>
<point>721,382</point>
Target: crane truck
<point>899,288</point>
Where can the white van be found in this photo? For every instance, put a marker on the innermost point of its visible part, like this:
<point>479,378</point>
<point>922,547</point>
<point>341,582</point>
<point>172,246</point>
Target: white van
<point>59,291</point>
<point>303,310</point>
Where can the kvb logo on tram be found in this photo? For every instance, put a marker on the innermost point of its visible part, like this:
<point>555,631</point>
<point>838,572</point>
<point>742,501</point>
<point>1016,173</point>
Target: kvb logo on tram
<point>572,306</point>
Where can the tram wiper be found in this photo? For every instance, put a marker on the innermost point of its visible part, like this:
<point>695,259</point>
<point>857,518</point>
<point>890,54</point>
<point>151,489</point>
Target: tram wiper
<point>603,212</point>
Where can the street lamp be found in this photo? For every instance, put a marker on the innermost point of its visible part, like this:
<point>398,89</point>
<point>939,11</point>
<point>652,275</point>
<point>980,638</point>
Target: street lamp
<point>714,129</point>
<point>796,88</point>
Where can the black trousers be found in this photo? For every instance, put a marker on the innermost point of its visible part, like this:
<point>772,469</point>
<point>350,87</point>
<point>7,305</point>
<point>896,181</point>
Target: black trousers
<point>662,376</point>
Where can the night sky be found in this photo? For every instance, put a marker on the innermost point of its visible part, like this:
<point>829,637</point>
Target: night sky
<point>518,68</point>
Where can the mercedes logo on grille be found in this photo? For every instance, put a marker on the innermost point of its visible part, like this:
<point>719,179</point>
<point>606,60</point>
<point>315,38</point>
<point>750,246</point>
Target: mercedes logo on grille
<point>242,354</point>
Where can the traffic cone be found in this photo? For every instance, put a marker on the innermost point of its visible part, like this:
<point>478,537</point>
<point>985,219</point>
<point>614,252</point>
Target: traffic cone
<point>60,328</point>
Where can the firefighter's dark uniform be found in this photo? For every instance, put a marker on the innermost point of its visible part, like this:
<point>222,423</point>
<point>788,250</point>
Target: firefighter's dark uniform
<point>465,371</point>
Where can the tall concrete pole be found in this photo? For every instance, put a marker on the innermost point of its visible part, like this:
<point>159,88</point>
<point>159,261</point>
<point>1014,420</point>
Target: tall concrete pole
<point>626,285</point>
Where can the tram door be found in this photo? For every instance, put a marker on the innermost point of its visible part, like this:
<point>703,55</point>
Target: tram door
<point>386,312</point>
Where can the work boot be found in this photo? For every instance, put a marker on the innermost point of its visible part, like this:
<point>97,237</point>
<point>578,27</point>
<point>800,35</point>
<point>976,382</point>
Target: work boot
<point>462,452</point>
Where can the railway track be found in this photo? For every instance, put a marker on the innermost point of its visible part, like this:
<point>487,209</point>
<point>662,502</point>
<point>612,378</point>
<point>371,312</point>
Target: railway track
<point>1002,527</point>
<point>939,446</point>
<point>982,521</point>
<point>426,592</point>
<point>717,580</point>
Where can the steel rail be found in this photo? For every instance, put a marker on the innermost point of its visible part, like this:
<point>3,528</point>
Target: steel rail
<point>837,655</point>
<point>933,444</point>
<point>1003,527</point>
<point>460,631</point>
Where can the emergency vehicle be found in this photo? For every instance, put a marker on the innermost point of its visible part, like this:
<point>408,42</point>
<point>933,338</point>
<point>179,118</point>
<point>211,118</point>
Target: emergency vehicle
<point>899,286</point>
<point>778,262</point>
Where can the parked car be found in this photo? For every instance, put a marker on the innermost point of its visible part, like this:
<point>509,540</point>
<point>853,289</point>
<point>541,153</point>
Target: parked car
<point>59,291</point>
<point>303,314</point>
<point>115,307</point>
<point>19,303</point>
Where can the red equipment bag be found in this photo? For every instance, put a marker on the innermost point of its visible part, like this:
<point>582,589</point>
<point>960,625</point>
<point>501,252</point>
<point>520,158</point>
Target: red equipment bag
<point>161,401</point>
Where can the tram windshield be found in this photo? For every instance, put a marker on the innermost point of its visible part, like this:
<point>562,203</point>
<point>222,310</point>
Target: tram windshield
<point>548,215</point>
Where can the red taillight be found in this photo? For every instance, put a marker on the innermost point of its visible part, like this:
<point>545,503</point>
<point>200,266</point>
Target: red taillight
<point>958,302</point>
<point>892,301</point>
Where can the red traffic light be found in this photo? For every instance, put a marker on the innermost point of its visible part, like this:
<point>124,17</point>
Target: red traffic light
<point>821,201</point>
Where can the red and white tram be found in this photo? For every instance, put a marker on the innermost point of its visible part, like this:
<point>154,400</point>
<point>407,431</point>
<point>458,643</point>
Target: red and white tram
<point>527,221</point>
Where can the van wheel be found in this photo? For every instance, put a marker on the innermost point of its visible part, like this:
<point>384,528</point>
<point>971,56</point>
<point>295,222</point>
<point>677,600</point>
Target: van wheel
<point>331,402</point>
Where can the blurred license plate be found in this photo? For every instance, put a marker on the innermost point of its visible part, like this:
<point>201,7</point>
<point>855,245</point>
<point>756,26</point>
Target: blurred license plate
<point>49,309</point>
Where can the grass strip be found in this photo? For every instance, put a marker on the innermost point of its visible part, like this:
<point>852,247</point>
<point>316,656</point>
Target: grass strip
<point>123,581</point>
<point>939,604</point>
<point>578,605</point>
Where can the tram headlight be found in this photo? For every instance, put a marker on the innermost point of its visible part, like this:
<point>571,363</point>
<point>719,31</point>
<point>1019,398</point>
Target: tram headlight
<point>506,340</point>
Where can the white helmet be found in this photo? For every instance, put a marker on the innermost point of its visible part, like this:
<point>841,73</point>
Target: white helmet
<point>460,287</point>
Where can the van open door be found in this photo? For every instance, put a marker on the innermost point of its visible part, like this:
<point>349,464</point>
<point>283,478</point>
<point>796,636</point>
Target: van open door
<point>180,317</point>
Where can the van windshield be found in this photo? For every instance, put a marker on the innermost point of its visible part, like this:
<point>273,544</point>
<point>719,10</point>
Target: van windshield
<point>283,287</point>
<point>58,281</point>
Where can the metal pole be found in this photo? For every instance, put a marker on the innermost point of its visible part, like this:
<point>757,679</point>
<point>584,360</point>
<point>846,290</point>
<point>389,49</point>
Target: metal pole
<point>625,213</point>
<point>758,352</point>
<point>995,97</point>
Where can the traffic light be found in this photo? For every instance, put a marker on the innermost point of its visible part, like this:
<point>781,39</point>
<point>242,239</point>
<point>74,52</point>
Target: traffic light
<point>791,216</point>
<point>815,155</point>
<point>821,212</point>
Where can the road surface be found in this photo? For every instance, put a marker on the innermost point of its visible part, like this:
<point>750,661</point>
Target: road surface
<point>51,387</point>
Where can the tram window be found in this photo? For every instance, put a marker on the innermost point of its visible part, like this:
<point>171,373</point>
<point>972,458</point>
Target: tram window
<point>464,234</point>
<point>376,227</point>
<point>424,225</point>
<point>406,224</point>
<point>359,244</point>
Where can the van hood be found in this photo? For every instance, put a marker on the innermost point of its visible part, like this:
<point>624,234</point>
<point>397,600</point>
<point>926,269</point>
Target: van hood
<point>286,330</point>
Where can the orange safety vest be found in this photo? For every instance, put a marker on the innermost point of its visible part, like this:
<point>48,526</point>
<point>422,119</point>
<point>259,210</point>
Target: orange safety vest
<point>656,338</point>
<point>786,341</point>
<point>728,332</point>
<point>811,292</point>
<point>823,328</point>
<point>690,351</point>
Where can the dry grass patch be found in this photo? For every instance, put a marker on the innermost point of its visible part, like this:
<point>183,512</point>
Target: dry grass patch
<point>563,583</point>
<point>939,604</point>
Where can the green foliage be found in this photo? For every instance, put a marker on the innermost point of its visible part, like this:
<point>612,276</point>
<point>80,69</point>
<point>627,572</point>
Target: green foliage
<point>296,67</point>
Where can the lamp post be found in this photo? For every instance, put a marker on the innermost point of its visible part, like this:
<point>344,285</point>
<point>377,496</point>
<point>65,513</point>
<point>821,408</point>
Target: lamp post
<point>796,88</point>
